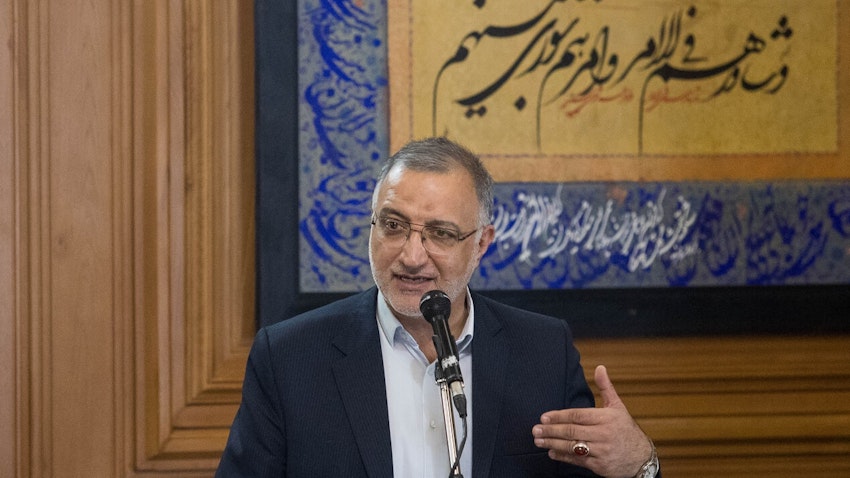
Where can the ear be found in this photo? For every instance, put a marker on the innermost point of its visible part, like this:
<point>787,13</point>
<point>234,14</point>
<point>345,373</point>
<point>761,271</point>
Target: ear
<point>487,237</point>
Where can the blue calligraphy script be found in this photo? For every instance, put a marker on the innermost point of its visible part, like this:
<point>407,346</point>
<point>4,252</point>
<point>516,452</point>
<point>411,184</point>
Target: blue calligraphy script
<point>548,235</point>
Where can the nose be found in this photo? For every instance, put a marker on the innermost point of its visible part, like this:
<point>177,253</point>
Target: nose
<point>413,250</point>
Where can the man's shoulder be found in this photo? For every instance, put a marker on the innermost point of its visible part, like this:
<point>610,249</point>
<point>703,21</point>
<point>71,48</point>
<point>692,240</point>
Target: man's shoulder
<point>329,316</point>
<point>509,314</point>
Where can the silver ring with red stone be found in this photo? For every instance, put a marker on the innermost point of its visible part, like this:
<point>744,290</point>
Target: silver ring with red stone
<point>581,449</point>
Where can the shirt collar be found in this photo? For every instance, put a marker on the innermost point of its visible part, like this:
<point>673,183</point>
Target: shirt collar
<point>394,331</point>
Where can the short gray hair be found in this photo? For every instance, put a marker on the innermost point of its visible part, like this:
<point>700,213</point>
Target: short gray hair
<point>440,154</point>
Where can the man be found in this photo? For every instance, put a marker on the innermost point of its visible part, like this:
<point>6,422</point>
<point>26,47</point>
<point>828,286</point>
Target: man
<point>348,390</point>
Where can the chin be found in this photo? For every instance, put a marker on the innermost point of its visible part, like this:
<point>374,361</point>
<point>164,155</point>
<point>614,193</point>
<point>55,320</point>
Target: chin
<point>405,308</point>
<point>403,301</point>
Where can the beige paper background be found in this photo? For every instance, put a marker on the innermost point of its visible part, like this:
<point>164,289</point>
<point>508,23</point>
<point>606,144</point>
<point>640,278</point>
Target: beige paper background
<point>796,133</point>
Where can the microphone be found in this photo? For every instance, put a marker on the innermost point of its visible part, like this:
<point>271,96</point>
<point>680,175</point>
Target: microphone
<point>436,307</point>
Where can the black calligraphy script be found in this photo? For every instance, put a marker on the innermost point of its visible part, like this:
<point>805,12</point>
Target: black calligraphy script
<point>574,66</point>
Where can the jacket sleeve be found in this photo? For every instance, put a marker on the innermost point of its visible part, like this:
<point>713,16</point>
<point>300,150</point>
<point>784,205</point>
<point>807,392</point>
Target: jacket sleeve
<point>256,445</point>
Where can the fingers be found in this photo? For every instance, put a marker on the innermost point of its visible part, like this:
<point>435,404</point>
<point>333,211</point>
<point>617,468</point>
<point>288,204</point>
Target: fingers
<point>610,399</point>
<point>560,447</point>
<point>605,440</point>
<point>590,416</point>
<point>573,416</point>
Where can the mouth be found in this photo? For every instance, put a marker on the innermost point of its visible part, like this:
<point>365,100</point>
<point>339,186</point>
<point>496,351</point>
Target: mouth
<point>413,281</point>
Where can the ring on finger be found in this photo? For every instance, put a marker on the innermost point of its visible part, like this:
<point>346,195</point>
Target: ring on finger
<point>581,449</point>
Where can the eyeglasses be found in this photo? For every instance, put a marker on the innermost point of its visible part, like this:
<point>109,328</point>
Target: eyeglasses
<point>394,232</point>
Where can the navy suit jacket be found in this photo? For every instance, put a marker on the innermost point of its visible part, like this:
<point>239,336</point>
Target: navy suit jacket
<point>314,398</point>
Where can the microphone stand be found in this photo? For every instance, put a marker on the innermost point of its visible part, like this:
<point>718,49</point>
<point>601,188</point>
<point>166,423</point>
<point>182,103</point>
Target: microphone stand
<point>436,308</point>
<point>449,419</point>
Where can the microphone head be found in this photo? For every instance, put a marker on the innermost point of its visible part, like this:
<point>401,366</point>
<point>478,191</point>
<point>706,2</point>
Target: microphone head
<point>434,304</point>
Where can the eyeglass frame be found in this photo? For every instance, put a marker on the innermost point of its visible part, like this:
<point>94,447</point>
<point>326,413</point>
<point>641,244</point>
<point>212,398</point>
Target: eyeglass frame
<point>421,230</point>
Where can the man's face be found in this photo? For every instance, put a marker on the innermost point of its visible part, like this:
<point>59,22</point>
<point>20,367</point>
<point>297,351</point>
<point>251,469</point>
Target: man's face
<point>405,272</point>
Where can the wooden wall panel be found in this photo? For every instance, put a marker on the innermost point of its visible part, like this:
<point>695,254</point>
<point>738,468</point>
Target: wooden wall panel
<point>127,284</point>
<point>745,405</point>
<point>9,448</point>
<point>193,229</point>
<point>127,254</point>
<point>61,155</point>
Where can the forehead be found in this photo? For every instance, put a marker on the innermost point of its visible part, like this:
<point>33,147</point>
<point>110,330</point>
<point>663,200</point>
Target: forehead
<point>429,195</point>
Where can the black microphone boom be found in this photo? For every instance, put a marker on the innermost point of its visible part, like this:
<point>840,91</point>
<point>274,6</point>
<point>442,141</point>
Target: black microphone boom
<point>437,308</point>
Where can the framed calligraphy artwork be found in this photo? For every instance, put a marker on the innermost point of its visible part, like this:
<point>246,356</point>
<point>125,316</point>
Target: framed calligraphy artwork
<point>563,91</point>
<point>672,168</point>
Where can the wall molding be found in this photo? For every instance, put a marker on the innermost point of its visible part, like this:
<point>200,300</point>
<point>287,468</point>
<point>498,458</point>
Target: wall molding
<point>740,404</point>
<point>194,228</point>
<point>127,269</point>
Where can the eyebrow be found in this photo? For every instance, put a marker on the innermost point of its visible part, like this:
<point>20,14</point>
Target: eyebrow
<point>433,223</point>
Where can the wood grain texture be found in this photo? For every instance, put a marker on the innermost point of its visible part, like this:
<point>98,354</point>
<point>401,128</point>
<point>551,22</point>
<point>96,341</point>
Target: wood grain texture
<point>126,269</point>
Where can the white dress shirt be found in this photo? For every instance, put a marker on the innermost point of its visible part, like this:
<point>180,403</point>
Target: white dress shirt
<point>417,428</point>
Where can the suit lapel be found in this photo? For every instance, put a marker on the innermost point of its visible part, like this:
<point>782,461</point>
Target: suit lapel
<point>489,355</point>
<point>359,375</point>
<point>360,378</point>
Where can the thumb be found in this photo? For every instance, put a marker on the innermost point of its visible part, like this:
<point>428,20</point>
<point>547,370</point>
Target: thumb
<point>610,399</point>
